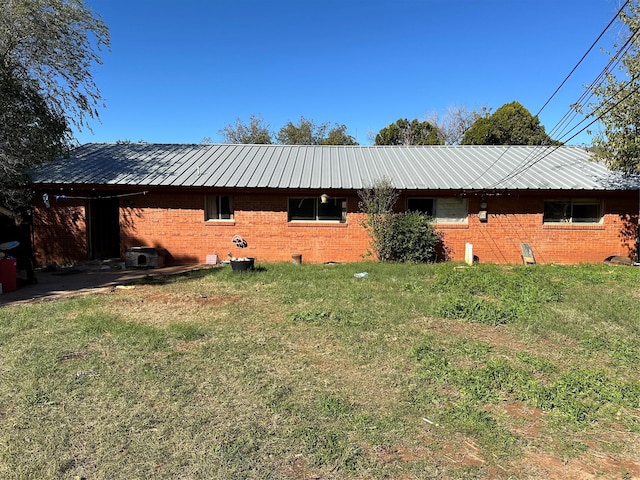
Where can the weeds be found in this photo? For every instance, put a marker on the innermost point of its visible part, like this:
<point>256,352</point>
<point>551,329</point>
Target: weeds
<point>305,372</point>
<point>494,296</point>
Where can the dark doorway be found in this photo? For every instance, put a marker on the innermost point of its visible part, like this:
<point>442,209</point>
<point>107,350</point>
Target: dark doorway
<point>104,228</point>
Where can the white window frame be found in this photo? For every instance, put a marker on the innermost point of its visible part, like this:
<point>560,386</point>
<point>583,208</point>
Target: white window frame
<point>316,206</point>
<point>570,206</point>
<point>443,208</point>
<point>214,208</point>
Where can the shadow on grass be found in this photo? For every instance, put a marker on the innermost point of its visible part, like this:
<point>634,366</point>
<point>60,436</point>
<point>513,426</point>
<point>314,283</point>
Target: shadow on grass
<point>162,279</point>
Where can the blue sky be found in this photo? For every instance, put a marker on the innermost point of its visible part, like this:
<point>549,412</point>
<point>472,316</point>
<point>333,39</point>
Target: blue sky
<point>180,71</point>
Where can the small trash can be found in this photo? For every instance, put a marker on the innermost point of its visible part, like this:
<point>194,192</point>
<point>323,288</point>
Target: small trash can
<point>8,275</point>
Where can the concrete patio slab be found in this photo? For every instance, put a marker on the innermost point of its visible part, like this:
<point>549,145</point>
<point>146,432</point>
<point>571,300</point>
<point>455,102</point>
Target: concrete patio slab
<point>82,280</point>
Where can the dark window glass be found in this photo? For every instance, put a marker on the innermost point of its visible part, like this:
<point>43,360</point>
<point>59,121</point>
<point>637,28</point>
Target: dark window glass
<point>557,211</point>
<point>312,209</point>
<point>218,207</point>
<point>332,210</point>
<point>586,212</point>
<point>422,205</point>
<point>302,209</point>
<point>224,208</point>
<point>572,211</point>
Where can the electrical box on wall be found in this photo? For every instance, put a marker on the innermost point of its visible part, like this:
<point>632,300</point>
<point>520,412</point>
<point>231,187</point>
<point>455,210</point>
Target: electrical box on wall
<point>482,215</point>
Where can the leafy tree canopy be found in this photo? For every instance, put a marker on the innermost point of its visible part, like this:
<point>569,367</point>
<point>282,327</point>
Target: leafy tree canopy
<point>47,49</point>
<point>30,133</point>
<point>51,45</point>
<point>306,132</point>
<point>404,132</point>
<point>511,124</point>
<point>257,131</point>
<point>338,136</point>
<point>618,105</point>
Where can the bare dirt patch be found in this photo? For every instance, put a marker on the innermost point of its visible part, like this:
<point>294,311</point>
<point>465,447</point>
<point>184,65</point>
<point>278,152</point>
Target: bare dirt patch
<point>148,305</point>
<point>529,420</point>
<point>584,467</point>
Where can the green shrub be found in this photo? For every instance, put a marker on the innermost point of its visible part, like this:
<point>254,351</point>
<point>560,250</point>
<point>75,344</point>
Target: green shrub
<point>412,238</point>
<point>397,237</point>
<point>405,237</point>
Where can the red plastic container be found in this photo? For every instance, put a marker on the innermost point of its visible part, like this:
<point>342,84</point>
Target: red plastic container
<point>8,275</point>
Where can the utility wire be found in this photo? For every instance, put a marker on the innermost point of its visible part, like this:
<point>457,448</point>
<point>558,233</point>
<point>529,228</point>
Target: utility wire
<point>528,162</point>
<point>484,172</point>
<point>584,56</point>
<point>533,157</point>
<point>551,149</point>
<point>584,98</point>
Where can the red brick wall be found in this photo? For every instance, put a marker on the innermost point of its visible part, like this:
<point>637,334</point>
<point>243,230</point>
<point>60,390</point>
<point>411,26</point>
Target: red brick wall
<point>59,232</point>
<point>175,221</point>
<point>513,220</point>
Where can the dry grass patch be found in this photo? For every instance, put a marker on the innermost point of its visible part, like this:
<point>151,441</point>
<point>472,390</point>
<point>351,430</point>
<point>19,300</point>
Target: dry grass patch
<point>306,372</point>
<point>154,305</point>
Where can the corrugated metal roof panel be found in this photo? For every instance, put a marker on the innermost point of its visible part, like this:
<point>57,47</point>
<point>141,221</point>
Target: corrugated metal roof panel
<point>333,167</point>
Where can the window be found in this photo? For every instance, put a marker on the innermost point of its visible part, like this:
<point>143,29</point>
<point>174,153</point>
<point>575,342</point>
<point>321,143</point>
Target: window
<point>218,207</point>
<point>443,210</point>
<point>422,205</point>
<point>311,209</point>
<point>572,211</point>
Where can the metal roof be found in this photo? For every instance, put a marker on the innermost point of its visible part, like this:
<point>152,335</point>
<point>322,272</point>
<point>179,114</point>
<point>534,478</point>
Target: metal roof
<point>333,167</point>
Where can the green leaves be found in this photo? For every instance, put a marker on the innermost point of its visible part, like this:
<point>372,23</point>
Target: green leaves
<point>256,132</point>
<point>511,124</point>
<point>618,106</point>
<point>404,132</point>
<point>47,50</point>
<point>397,237</point>
<point>54,44</point>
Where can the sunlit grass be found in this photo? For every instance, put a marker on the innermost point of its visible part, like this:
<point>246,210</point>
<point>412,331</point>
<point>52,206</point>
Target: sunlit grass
<point>308,372</point>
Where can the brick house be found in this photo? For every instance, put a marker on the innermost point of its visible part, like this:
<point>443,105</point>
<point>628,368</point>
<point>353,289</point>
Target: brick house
<point>191,200</point>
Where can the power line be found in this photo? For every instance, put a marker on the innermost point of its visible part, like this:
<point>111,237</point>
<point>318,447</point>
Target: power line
<point>584,98</point>
<point>532,158</point>
<point>484,172</point>
<point>584,56</point>
<point>518,171</point>
<point>528,162</point>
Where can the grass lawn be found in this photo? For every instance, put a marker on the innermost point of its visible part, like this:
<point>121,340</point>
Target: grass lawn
<point>306,372</point>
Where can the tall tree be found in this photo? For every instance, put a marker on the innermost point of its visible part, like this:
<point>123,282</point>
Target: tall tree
<point>54,44</point>
<point>256,131</point>
<point>338,135</point>
<point>455,121</point>
<point>618,107</point>
<point>306,132</point>
<point>511,124</point>
<point>404,132</point>
<point>47,50</point>
<point>30,133</point>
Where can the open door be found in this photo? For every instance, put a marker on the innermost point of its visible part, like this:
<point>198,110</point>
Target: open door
<point>104,228</point>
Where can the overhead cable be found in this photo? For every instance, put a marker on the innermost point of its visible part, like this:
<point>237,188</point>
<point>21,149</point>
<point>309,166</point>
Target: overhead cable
<point>484,172</point>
